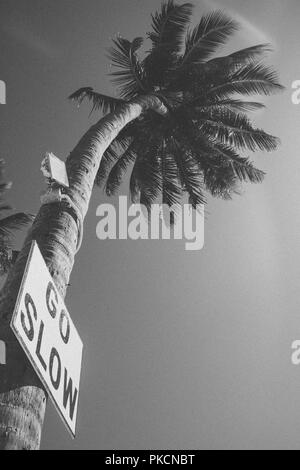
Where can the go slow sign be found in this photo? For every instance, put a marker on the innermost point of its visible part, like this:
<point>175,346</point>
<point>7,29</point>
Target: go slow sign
<point>48,336</point>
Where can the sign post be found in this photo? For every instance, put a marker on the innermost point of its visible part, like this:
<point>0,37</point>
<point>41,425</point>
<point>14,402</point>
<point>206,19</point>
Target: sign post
<point>48,336</point>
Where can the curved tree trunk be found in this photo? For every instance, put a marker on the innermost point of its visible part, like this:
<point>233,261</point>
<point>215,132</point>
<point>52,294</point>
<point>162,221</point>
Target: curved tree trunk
<point>22,397</point>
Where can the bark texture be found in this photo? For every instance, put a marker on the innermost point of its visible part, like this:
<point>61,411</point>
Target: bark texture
<point>22,397</point>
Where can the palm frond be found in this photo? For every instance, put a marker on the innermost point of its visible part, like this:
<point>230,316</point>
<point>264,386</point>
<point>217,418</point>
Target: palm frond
<point>134,185</point>
<point>130,78</point>
<point>231,105</point>
<point>220,181</point>
<point>213,31</point>
<point>190,175</point>
<point>9,223</point>
<point>171,185</point>
<point>215,173</point>
<point>108,158</point>
<point>4,187</point>
<point>145,180</point>
<point>5,260</point>
<point>170,99</point>
<point>238,58</point>
<point>14,222</point>
<point>243,168</point>
<point>100,102</point>
<point>236,130</point>
<point>212,73</point>
<point>117,172</point>
<point>168,26</point>
<point>254,78</point>
<point>250,53</point>
<point>5,207</point>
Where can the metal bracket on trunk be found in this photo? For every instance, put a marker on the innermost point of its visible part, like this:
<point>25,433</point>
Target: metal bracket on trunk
<point>58,183</point>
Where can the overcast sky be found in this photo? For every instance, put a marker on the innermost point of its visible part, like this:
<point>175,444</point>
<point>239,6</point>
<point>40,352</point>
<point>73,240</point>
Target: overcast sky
<point>182,349</point>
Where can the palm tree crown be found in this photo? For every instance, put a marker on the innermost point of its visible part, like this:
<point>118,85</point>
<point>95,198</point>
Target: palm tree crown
<point>200,145</point>
<point>8,225</point>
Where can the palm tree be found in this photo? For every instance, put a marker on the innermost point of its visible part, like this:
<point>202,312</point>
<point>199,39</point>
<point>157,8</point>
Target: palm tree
<point>8,225</point>
<point>181,124</point>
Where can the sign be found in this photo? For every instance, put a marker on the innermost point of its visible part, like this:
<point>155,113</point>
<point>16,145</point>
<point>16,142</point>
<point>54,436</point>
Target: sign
<point>48,336</point>
<point>54,168</point>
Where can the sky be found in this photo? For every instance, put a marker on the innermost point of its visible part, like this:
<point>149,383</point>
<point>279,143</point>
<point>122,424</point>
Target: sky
<point>182,349</point>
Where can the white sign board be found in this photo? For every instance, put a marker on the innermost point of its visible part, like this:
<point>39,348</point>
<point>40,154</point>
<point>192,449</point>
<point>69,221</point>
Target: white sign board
<point>58,170</point>
<point>48,336</point>
<point>54,168</point>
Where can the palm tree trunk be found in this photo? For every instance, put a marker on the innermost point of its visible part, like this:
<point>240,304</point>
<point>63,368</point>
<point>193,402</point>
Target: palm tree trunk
<point>22,397</point>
